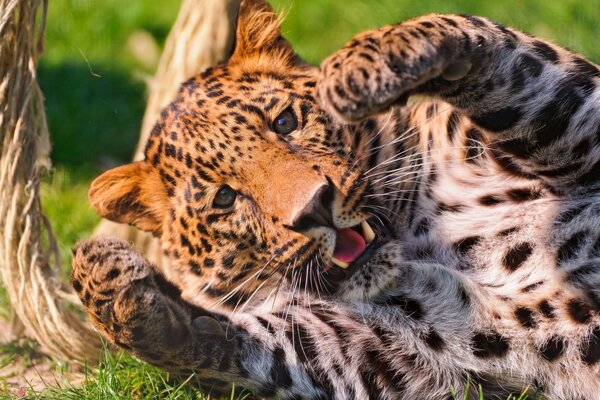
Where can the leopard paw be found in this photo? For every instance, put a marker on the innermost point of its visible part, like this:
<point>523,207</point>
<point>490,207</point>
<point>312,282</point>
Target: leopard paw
<point>357,81</point>
<point>381,68</point>
<point>136,308</point>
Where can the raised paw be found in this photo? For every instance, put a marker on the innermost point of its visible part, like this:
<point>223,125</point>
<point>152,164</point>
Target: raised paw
<point>383,67</point>
<point>134,307</point>
<point>353,80</point>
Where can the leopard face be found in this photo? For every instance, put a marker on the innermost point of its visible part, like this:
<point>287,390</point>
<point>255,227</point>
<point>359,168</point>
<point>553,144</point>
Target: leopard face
<point>246,181</point>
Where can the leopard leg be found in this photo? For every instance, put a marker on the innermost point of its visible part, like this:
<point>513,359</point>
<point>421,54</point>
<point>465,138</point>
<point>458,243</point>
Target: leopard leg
<point>535,103</point>
<point>284,352</point>
<point>135,308</point>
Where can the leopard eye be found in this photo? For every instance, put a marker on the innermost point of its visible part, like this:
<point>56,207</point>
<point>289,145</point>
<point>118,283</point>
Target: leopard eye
<point>285,122</point>
<point>224,197</point>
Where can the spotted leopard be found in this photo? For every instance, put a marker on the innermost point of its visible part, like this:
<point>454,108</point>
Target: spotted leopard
<point>420,214</point>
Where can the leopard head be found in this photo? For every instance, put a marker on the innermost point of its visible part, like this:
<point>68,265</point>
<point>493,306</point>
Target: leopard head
<point>246,181</point>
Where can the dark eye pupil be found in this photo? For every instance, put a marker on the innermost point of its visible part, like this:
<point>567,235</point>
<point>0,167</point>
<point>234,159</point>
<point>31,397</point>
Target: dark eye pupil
<point>224,197</point>
<point>282,121</point>
<point>285,122</point>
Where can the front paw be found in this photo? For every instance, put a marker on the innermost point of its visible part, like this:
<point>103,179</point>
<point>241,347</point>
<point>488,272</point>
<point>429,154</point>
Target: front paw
<point>357,81</point>
<point>134,307</point>
<point>381,68</point>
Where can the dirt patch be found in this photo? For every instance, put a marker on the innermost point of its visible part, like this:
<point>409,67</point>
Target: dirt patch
<point>25,369</point>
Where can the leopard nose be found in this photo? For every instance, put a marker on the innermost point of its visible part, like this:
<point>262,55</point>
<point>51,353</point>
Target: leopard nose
<point>317,211</point>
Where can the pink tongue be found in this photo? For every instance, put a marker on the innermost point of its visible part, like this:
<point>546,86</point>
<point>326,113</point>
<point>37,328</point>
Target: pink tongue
<point>349,245</point>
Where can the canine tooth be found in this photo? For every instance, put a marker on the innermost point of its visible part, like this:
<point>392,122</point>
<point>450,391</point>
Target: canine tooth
<point>368,233</point>
<point>340,263</point>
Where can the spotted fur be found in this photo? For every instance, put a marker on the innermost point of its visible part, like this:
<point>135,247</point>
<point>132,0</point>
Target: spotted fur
<point>485,187</point>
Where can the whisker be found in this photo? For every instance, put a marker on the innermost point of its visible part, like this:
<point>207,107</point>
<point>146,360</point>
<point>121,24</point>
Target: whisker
<point>242,284</point>
<point>279,282</point>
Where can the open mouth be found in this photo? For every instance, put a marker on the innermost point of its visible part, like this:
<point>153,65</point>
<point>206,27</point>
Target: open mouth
<point>354,247</point>
<point>351,243</point>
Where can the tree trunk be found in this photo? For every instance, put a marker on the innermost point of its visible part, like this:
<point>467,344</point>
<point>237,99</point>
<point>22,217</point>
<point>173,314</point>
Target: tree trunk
<point>201,37</point>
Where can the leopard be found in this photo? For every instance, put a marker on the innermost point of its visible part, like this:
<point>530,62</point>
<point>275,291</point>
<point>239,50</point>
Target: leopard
<point>417,216</point>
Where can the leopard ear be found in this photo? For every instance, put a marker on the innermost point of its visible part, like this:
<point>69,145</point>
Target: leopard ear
<point>131,194</point>
<point>258,32</point>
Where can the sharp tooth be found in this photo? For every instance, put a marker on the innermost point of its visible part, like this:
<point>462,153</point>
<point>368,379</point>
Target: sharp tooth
<point>340,263</point>
<point>368,233</point>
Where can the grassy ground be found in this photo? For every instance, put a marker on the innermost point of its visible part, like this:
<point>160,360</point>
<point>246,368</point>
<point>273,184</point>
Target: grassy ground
<point>94,87</point>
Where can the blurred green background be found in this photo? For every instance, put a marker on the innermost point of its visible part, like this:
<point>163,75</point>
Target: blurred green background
<point>98,54</point>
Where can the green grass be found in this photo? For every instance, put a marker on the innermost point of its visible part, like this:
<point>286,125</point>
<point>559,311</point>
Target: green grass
<point>95,98</point>
<point>481,395</point>
<point>65,194</point>
<point>118,376</point>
